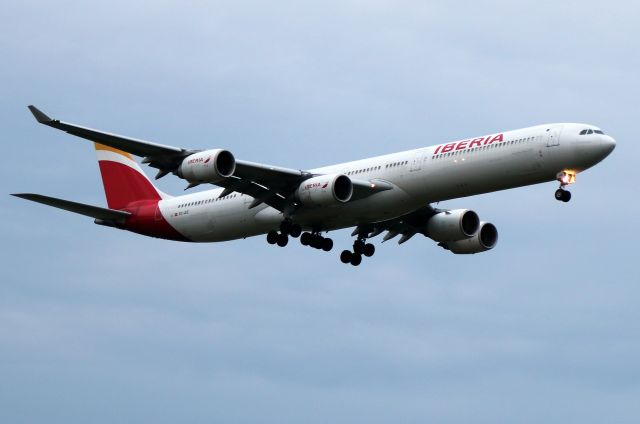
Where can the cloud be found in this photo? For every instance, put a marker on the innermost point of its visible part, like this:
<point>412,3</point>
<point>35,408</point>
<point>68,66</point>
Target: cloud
<point>101,325</point>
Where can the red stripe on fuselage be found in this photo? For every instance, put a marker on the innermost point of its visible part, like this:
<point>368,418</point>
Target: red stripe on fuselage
<point>147,219</point>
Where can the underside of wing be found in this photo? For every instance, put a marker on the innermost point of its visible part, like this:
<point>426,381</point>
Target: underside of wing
<point>405,226</point>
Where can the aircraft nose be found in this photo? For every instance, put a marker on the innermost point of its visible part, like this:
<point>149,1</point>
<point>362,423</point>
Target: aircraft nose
<point>609,143</point>
<point>606,145</point>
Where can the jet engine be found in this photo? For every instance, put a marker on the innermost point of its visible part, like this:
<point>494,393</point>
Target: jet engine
<point>325,190</point>
<point>209,166</point>
<point>457,224</point>
<point>485,239</point>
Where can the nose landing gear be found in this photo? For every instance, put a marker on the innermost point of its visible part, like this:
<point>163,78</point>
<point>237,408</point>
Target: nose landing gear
<point>563,195</point>
<point>565,178</point>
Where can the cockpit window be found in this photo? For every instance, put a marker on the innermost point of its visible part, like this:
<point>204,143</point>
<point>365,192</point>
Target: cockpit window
<point>588,131</point>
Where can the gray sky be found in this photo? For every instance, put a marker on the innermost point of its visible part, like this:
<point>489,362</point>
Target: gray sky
<point>103,326</point>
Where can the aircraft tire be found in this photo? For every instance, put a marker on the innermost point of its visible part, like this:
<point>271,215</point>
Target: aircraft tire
<point>283,240</point>
<point>272,237</point>
<point>358,247</point>
<point>316,242</point>
<point>369,250</point>
<point>327,244</point>
<point>305,239</point>
<point>285,227</point>
<point>295,231</point>
<point>356,259</point>
<point>345,256</point>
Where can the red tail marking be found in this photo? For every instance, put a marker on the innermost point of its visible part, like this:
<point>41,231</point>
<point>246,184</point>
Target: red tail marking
<point>123,185</point>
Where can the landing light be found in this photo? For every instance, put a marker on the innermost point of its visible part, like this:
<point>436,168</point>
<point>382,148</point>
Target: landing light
<point>566,177</point>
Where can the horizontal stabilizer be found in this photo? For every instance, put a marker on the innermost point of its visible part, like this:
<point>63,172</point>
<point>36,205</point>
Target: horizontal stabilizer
<point>105,214</point>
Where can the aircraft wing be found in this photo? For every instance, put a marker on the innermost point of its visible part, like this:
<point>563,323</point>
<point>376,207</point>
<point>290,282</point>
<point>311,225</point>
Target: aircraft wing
<point>127,144</point>
<point>268,184</point>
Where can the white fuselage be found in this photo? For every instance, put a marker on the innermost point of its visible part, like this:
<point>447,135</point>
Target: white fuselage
<point>421,176</point>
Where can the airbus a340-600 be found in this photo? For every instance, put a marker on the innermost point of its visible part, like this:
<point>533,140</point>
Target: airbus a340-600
<point>389,194</point>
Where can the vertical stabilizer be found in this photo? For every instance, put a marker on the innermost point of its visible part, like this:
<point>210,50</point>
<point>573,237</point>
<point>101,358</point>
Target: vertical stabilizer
<point>123,179</point>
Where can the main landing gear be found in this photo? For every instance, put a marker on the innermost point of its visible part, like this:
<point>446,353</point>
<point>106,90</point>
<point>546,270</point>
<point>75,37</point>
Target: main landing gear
<point>287,228</point>
<point>565,178</point>
<point>316,241</point>
<point>360,248</point>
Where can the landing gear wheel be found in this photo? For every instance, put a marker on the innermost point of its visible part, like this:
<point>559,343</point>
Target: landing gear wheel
<point>327,244</point>
<point>369,250</point>
<point>285,227</point>
<point>295,231</point>
<point>283,239</point>
<point>356,259</point>
<point>358,247</point>
<point>272,237</point>
<point>345,256</point>
<point>563,195</point>
<point>305,239</point>
<point>316,242</point>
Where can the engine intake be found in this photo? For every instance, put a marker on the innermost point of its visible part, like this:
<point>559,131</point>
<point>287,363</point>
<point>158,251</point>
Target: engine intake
<point>457,224</point>
<point>484,240</point>
<point>325,190</point>
<point>209,166</point>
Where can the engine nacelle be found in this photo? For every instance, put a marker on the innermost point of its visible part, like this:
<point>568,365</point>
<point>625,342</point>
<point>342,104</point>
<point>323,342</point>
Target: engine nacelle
<point>457,224</point>
<point>209,166</point>
<point>485,239</point>
<point>325,190</point>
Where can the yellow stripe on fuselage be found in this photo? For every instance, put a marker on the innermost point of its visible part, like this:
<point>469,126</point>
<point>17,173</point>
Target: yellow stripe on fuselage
<point>112,149</point>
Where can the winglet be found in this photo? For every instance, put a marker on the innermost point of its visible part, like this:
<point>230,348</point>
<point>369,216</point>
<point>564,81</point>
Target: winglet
<point>39,115</point>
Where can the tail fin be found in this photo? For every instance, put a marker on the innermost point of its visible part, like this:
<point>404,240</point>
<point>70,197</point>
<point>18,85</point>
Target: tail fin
<point>123,179</point>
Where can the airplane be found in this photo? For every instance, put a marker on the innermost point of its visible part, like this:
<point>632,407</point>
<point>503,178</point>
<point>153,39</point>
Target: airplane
<point>390,194</point>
